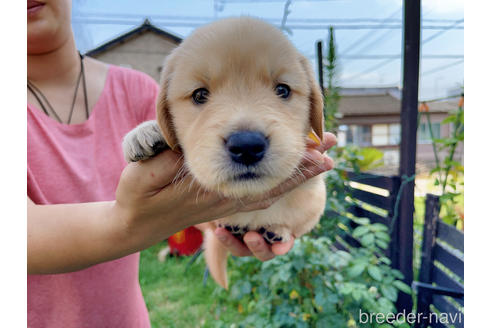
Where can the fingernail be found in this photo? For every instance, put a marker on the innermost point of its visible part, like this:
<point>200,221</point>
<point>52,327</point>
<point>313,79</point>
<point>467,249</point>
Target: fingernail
<point>253,244</point>
<point>222,238</point>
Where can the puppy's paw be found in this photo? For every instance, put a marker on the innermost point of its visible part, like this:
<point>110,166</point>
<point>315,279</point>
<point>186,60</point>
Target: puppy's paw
<point>143,142</point>
<point>236,230</point>
<point>275,234</point>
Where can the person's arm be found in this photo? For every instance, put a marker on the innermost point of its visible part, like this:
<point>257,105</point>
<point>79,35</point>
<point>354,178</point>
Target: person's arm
<point>150,206</point>
<point>69,237</point>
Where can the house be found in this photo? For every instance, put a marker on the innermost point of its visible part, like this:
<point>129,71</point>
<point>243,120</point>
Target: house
<point>370,117</point>
<point>143,48</point>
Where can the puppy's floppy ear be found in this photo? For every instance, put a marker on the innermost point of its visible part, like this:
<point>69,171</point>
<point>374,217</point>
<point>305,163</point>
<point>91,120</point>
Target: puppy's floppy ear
<point>164,116</point>
<point>316,99</point>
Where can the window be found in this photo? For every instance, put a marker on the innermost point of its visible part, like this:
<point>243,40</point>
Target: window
<point>359,135</point>
<point>385,134</point>
<point>342,135</point>
<point>380,134</point>
<point>424,133</point>
<point>394,134</point>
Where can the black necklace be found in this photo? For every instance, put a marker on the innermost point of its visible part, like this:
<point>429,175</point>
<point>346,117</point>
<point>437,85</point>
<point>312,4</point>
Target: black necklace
<point>45,103</point>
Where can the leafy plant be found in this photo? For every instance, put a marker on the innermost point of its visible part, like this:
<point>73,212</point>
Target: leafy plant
<point>317,284</point>
<point>331,92</point>
<point>449,171</point>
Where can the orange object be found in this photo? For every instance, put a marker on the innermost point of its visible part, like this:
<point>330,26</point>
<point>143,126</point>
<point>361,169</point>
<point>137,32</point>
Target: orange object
<point>462,102</point>
<point>423,107</point>
<point>314,138</point>
<point>185,242</point>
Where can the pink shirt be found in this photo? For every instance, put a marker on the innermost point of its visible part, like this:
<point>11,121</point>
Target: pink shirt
<point>82,163</point>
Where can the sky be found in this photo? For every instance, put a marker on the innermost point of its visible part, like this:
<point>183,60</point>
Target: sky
<point>95,22</point>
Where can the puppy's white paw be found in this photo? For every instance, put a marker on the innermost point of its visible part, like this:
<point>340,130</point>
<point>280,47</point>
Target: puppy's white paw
<point>143,142</point>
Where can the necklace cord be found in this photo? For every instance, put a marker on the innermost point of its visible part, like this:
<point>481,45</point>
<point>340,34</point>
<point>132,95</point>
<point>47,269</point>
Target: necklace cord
<point>39,95</point>
<point>85,85</point>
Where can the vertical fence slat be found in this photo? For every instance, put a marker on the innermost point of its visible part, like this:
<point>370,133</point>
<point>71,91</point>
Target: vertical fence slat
<point>319,52</point>
<point>427,257</point>
<point>408,146</point>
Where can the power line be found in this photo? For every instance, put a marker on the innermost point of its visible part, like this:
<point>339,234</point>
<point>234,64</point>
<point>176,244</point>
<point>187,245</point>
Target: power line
<point>442,98</point>
<point>440,68</point>
<point>435,35</point>
<point>371,69</point>
<point>273,1</point>
<point>386,62</point>
<point>103,21</point>
<point>368,34</point>
<point>395,56</point>
<point>91,14</point>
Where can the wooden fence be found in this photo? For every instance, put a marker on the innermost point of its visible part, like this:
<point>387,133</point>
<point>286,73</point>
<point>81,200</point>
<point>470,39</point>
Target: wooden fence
<point>440,287</point>
<point>374,197</point>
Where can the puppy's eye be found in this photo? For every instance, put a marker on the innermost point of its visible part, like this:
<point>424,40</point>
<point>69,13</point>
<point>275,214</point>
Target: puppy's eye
<point>200,96</point>
<point>282,90</point>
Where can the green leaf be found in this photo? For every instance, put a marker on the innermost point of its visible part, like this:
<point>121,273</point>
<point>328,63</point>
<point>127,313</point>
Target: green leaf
<point>367,240</point>
<point>356,269</point>
<point>246,287</point>
<point>389,292</point>
<point>385,260</point>
<point>397,274</point>
<point>383,236</point>
<point>402,286</point>
<point>379,227</point>
<point>451,118</point>
<point>360,231</point>
<point>357,294</point>
<point>361,221</point>
<point>374,272</point>
<point>381,243</point>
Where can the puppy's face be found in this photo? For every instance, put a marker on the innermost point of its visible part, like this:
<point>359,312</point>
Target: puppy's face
<point>239,100</point>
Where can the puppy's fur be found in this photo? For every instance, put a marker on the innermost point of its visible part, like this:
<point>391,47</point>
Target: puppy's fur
<point>240,61</point>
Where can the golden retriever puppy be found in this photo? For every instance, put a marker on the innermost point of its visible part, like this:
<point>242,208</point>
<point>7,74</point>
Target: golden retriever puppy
<point>239,101</point>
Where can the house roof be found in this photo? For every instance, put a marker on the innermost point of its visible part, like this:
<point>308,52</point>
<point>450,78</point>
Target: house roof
<point>369,101</point>
<point>382,101</point>
<point>145,27</point>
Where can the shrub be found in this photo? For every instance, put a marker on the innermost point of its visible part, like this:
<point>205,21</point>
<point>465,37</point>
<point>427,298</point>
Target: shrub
<point>316,284</point>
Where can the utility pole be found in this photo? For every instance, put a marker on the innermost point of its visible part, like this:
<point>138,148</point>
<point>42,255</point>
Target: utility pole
<point>408,146</point>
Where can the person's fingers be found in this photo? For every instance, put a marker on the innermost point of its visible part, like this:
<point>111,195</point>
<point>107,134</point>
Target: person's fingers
<point>306,172</point>
<point>283,248</point>
<point>329,140</point>
<point>233,245</point>
<point>262,204</point>
<point>156,172</point>
<point>258,246</point>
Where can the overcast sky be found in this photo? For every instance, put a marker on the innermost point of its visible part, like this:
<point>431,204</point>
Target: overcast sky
<point>96,22</point>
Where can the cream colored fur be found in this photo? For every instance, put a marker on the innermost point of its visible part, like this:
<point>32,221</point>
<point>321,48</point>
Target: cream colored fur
<point>240,61</point>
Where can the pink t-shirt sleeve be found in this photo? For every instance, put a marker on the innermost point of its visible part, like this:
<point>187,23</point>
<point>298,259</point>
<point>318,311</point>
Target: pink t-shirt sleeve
<point>82,163</point>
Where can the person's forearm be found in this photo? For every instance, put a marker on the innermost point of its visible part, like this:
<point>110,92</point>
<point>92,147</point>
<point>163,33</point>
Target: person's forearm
<point>70,237</point>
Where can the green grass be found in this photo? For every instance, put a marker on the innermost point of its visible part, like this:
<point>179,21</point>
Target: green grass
<point>176,297</point>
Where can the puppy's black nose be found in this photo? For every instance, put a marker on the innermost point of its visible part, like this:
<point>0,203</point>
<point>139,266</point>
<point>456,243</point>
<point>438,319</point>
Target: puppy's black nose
<point>247,147</point>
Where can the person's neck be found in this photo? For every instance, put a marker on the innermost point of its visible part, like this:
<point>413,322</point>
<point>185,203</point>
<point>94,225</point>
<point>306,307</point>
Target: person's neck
<point>58,66</point>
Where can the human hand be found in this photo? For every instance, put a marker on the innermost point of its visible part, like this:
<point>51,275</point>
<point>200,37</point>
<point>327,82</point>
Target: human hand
<point>151,203</point>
